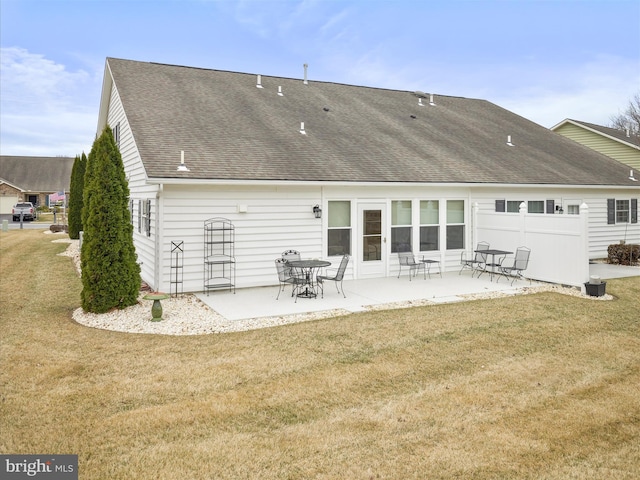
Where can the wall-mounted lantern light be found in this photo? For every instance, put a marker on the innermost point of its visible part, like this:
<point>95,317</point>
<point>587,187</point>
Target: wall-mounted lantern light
<point>317,211</point>
<point>559,209</point>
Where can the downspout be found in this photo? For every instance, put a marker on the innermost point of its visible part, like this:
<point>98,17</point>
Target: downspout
<point>157,267</point>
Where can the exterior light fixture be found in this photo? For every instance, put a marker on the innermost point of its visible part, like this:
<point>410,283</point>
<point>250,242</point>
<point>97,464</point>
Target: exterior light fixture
<point>317,211</point>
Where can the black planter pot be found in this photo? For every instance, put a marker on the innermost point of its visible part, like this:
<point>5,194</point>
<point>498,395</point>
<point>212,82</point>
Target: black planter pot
<point>595,289</point>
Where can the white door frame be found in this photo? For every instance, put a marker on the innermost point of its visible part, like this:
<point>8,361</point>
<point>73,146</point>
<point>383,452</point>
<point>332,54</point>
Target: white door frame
<point>371,267</point>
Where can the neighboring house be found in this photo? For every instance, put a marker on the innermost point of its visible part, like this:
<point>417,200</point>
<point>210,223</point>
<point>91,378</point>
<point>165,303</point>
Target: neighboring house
<point>623,145</point>
<point>389,170</point>
<point>32,179</point>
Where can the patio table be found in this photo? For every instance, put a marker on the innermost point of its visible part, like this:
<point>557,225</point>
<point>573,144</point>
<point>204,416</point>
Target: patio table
<point>493,252</point>
<point>305,269</point>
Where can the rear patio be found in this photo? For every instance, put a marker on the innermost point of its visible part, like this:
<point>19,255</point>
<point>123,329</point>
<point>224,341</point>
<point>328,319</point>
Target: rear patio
<point>375,293</point>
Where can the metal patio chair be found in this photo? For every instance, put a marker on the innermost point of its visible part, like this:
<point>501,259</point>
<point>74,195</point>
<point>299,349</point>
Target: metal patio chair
<point>292,255</point>
<point>407,259</point>
<point>519,265</point>
<point>478,261</point>
<point>286,277</point>
<point>338,277</point>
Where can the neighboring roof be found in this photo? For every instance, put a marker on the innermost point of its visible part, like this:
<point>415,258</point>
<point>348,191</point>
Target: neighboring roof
<point>37,174</point>
<point>622,136</point>
<point>231,130</point>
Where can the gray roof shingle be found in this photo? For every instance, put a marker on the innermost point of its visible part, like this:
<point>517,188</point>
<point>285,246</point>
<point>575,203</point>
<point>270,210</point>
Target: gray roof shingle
<point>229,129</point>
<point>38,174</point>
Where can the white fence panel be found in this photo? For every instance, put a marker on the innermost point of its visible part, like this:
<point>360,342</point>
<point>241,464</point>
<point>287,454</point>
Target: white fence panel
<point>559,243</point>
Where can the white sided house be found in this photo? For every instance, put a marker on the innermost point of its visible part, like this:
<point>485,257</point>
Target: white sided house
<point>389,170</point>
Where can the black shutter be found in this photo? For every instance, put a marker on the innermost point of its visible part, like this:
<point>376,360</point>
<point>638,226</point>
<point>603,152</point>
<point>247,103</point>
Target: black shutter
<point>611,211</point>
<point>148,219</point>
<point>634,210</point>
<point>501,205</point>
<point>551,206</point>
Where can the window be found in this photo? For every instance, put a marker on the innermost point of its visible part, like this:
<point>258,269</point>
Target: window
<point>455,224</point>
<point>116,134</point>
<point>401,226</point>
<point>429,225</point>
<point>339,233</point>
<point>535,206</point>
<point>622,211</point>
<point>573,209</point>
<point>139,216</point>
<point>511,206</point>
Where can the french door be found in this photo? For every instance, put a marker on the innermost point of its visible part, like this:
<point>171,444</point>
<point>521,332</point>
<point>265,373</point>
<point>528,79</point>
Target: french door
<point>372,241</point>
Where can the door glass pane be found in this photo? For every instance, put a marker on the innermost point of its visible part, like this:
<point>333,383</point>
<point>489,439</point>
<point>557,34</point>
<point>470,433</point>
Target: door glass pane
<point>371,249</point>
<point>372,222</point>
<point>372,235</point>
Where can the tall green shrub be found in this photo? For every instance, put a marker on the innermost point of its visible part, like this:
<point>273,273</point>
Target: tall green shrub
<point>76,196</point>
<point>110,273</point>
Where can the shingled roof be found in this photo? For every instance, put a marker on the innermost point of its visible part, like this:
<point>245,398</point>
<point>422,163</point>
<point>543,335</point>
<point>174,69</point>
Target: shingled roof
<point>232,130</point>
<point>38,174</point>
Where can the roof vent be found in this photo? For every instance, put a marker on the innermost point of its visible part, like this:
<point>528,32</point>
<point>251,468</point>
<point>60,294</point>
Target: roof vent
<point>420,104</point>
<point>509,141</point>
<point>259,82</point>
<point>302,130</point>
<point>326,109</point>
<point>280,91</point>
<point>182,167</point>
<point>431,102</point>
<point>413,116</point>
<point>305,81</point>
<point>628,133</point>
<point>631,177</point>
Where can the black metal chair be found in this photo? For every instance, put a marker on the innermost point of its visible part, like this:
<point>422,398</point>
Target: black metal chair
<point>519,265</point>
<point>478,261</point>
<point>291,255</point>
<point>338,277</point>
<point>286,277</point>
<point>407,259</point>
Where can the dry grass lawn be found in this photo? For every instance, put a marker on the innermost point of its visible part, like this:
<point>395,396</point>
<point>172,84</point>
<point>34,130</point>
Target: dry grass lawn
<point>540,386</point>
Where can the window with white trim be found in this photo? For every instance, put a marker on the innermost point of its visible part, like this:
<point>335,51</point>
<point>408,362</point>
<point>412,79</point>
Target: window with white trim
<point>401,229</point>
<point>455,224</point>
<point>339,228</point>
<point>429,225</point>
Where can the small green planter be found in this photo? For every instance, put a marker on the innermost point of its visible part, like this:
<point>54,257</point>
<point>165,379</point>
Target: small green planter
<point>156,308</point>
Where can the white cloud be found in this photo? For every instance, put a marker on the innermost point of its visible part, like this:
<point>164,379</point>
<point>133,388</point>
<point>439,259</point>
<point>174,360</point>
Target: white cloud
<point>45,109</point>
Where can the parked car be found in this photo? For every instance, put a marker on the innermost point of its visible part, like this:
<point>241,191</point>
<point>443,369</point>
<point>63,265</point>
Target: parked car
<point>27,210</point>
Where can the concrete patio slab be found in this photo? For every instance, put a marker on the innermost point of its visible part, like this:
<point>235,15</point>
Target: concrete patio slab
<point>363,295</point>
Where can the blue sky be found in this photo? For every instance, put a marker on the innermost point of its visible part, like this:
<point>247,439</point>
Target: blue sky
<point>546,60</point>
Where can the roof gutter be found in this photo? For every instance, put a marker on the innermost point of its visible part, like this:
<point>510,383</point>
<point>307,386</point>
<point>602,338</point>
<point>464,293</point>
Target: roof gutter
<point>306,183</point>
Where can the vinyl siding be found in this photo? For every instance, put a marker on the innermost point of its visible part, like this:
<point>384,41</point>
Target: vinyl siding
<point>599,143</point>
<point>139,189</point>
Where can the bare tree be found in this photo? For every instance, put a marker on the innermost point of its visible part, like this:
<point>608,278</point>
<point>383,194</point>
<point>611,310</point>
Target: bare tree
<point>630,118</point>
